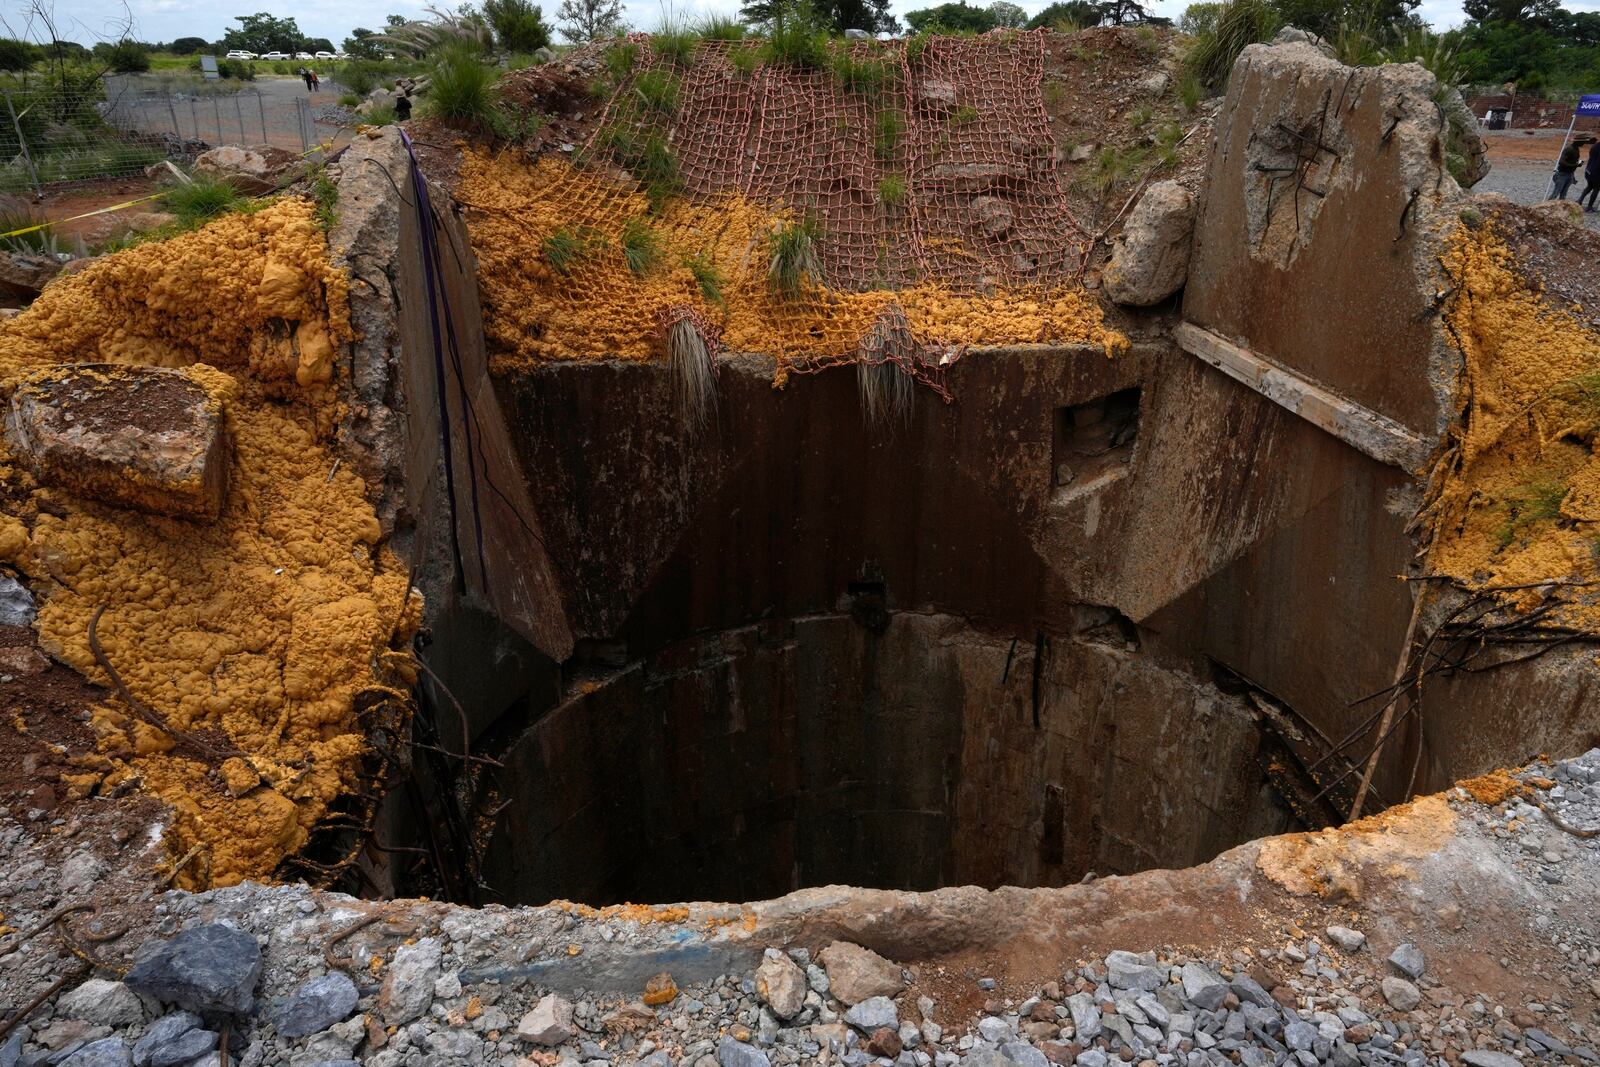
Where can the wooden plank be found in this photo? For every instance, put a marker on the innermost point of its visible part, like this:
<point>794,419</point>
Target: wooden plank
<point>1378,436</point>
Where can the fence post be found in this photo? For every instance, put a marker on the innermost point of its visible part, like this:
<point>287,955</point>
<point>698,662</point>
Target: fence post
<point>194,117</point>
<point>22,142</point>
<point>172,109</point>
<point>302,111</point>
<point>261,107</point>
<point>216,113</point>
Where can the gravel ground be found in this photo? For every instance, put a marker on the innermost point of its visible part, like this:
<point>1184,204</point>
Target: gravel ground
<point>1527,183</point>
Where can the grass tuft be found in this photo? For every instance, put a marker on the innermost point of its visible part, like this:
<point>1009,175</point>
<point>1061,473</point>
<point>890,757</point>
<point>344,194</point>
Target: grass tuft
<point>1537,502</point>
<point>459,92</point>
<point>640,246</point>
<point>886,133</point>
<point>865,76</point>
<point>562,250</point>
<point>793,265</point>
<point>658,89</point>
<point>892,189</point>
<point>694,375</point>
<point>205,197</point>
<point>707,277</point>
<point>620,59</point>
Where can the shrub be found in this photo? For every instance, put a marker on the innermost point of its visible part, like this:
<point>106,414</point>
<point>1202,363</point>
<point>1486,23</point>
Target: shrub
<point>1238,23</point>
<point>744,60</point>
<point>459,90</point>
<point>349,100</point>
<point>128,57</point>
<point>18,214</point>
<point>360,78</point>
<point>1054,93</point>
<point>518,25</point>
<point>237,69</point>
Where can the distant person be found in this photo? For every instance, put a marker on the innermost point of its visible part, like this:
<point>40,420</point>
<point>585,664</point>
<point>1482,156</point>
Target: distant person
<point>1591,178</point>
<point>402,111</point>
<point>316,82</point>
<point>305,72</point>
<point>1567,168</point>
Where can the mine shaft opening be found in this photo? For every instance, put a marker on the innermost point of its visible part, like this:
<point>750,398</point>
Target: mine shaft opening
<point>872,747</point>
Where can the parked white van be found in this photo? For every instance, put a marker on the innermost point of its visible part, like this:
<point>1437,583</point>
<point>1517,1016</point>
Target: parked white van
<point>241,54</point>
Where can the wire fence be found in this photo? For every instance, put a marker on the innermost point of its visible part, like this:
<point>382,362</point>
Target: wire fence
<point>51,137</point>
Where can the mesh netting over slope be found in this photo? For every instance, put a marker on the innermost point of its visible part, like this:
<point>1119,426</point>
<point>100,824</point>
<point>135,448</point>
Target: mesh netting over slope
<point>918,180</point>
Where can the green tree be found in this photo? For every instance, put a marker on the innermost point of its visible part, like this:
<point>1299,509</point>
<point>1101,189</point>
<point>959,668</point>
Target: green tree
<point>589,20</point>
<point>17,55</point>
<point>1008,15</point>
<point>1509,10</point>
<point>833,16</point>
<point>125,57</point>
<point>316,44</point>
<point>957,17</point>
<point>263,32</point>
<point>1080,13</point>
<point>188,46</point>
<point>394,22</point>
<point>518,24</point>
<point>360,44</point>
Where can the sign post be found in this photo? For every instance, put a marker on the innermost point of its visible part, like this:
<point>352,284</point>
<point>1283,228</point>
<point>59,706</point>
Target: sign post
<point>1588,107</point>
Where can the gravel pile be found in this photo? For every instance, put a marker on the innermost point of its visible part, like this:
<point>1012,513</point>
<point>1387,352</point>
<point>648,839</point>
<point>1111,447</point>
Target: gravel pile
<point>1328,997</point>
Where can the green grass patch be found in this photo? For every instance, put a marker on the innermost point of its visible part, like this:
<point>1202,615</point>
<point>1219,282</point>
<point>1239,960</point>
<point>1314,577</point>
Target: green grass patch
<point>721,28</point>
<point>640,246</point>
<point>866,76</point>
<point>797,43</point>
<point>1054,93</point>
<point>459,92</point>
<point>674,42</point>
<point>793,263</point>
<point>325,194</point>
<point>965,115</point>
<point>202,199</point>
<point>620,59</point>
<point>886,131</point>
<point>707,277</point>
<point>744,60</point>
<point>1139,117</point>
<point>892,189</point>
<point>657,90</point>
<point>563,249</point>
<point>1536,502</point>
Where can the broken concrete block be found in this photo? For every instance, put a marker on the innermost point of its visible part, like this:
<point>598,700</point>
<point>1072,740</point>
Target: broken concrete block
<point>252,169</point>
<point>1150,261</point>
<point>136,437</point>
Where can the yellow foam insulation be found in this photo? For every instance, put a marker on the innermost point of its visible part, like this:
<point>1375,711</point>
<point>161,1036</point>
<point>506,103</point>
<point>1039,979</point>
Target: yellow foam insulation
<point>1335,863</point>
<point>254,632</point>
<point>598,308</point>
<point>1520,502</point>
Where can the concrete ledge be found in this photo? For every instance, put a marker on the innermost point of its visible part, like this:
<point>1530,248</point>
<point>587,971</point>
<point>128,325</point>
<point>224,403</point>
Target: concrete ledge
<point>1361,428</point>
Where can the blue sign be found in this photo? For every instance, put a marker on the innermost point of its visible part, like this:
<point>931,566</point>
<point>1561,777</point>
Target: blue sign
<point>1589,105</point>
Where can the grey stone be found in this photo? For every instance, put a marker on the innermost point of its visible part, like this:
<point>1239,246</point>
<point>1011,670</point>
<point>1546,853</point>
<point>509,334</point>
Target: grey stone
<point>1150,261</point>
<point>1482,1057</point>
<point>731,1053</point>
<point>782,984</point>
<point>817,979</point>
<point>1299,1035</point>
<point>335,1063</point>
<point>1085,1016</point>
<point>1346,938</point>
<point>107,1052</point>
<point>189,1045</point>
<point>204,968</point>
<point>459,1046</point>
<point>316,1004</point>
<point>1129,970</point>
<point>549,1023</point>
<point>1091,1057</point>
<point>1407,959</point>
<point>994,1030</point>
<point>1153,1010</point>
<point>1202,987</point>
<point>1249,991</point>
<point>1024,1054</point>
<point>97,1000</point>
<point>16,603</point>
<point>162,1034</point>
<point>11,1051</point>
<point>408,986</point>
<point>1401,994</point>
<point>874,1013</point>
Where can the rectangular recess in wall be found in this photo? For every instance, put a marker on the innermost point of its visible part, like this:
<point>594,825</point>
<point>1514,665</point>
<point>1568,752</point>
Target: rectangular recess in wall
<point>1093,443</point>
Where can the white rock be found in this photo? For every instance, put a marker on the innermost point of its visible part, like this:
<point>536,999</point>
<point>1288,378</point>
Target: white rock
<point>549,1023</point>
<point>102,1002</point>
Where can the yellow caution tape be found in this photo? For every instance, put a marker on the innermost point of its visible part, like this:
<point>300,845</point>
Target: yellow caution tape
<point>127,203</point>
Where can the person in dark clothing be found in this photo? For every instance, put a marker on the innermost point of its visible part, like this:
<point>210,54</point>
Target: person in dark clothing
<point>402,111</point>
<point>305,72</point>
<point>1591,178</point>
<point>1567,168</point>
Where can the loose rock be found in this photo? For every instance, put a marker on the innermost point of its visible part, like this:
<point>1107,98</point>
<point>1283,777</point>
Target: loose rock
<point>204,968</point>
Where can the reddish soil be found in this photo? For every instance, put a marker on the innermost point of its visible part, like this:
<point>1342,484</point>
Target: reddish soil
<point>1555,256</point>
<point>79,199</point>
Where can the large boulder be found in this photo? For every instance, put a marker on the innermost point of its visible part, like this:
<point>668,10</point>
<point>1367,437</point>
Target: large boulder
<point>209,968</point>
<point>251,169</point>
<point>856,974</point>
<point>147,438</point>
<point>1150,261</point>
<point>23,274</point>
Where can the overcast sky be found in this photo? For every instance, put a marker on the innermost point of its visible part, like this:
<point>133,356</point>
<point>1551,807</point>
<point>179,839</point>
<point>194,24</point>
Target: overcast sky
<point>164,20</point>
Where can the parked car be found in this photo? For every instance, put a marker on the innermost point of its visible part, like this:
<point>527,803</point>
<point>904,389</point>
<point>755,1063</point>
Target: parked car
<point>326,55</point>
<point>275,56</point>
<point>239,53</point>
<point>304,55</point>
